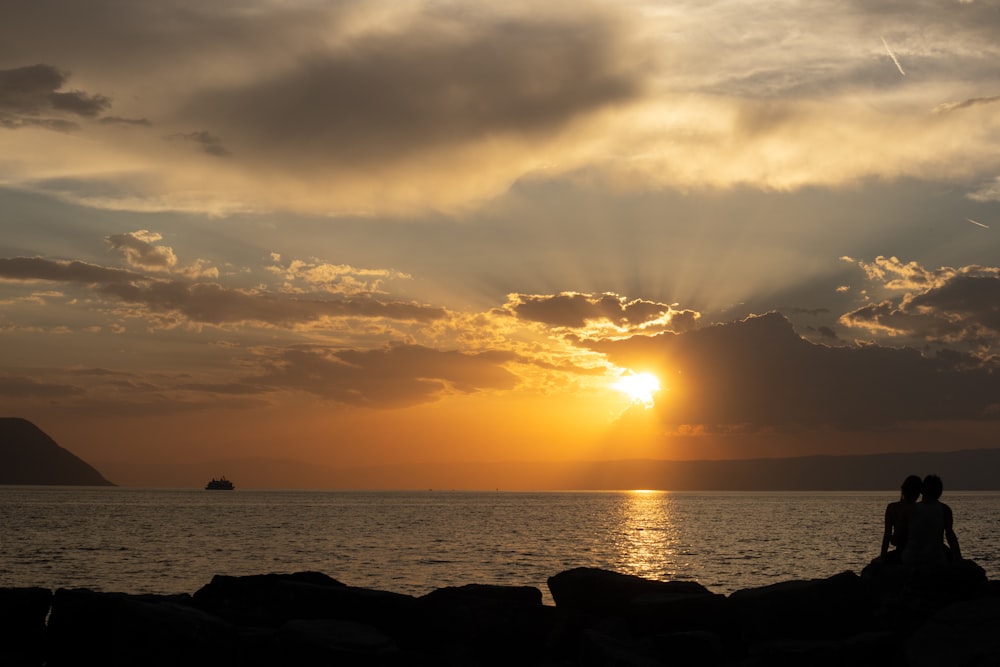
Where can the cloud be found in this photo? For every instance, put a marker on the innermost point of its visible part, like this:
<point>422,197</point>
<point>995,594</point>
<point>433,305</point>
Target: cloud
<point>401,106</point>
<point>207,302</point>
<point>309,275</point>
<point>24,387</point>
<point>965,104</point>
<point>945,306</point>
<point>206,141</point>
<point>140,250</point>
<point>38,268</point>
<point>390,377</point>
<point>988,192</point>
<point>30,96</point>
<point>592,312</point>
<point>896,275</point>
<point>440,106</point>
<point>117,120</point>
<point>758,374</point>
<point>423,87</point>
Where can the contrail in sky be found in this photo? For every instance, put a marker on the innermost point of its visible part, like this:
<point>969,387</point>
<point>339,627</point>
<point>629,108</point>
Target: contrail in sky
<point>892,55</point>
<point>977,223</point>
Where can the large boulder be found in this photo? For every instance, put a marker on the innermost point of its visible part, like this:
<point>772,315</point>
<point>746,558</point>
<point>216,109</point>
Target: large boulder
<point>605,592</point>
<point>88,627</point>
<point>615,615</point>
<point>22,625</point>
<point>902,597</point>
<point>332,642</point>
<point>813,609</point>
<point>963,633</point>
<point>271,600</point>
<point>488,624</point>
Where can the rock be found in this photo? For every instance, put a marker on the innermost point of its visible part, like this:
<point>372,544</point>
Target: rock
<point>903,598</point>
<point>949,582</point>
<point>814,609</point>
<point>601,618</point>
<point>328,641</point>
<point>603,591</point>
<point>605,612</point>
<point>87,627</point>
<point>265,600</point>
<point>22,625</point>
<point>486,594</point>
<point>963,633</point>
<point>271,600</point>
<point>655,613</point>
<point>696,648</point>
<point>493,624</point>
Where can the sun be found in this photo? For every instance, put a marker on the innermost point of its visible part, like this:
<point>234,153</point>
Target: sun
<point>639,387</point>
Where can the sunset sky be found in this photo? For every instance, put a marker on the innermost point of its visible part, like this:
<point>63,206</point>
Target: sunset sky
<point>344,234</point>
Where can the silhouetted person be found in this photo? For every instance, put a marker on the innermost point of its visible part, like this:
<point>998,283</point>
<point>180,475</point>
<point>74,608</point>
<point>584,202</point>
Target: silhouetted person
<point>897,518</point>
<point>930,522</point>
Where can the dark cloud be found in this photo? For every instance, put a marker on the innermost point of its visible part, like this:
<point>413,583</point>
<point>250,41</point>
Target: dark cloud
<point>115,120</point>
<point>229,388</point>
<point>30,96</point>
<point>38,268</point>
<point>954,306</point>
<point>806,311</point>
<point>209,303</point>
<point>383,96</point>
<point>206,141</point>
<point>574,310</point>
<point>155,406</point>
<point>759,373</point>
<point>391,377</point>
<point>965,104</point>
<point>97,372</point>
<point>828,333</point>
<point>26,387</point>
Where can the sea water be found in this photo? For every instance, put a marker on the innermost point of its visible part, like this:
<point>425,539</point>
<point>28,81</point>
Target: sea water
<point>173,541</point>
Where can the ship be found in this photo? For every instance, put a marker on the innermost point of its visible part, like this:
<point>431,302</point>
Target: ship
<point>221,484</point>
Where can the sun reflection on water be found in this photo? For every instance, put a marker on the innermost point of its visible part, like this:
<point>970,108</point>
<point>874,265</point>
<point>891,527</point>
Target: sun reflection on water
<point>647,535</point>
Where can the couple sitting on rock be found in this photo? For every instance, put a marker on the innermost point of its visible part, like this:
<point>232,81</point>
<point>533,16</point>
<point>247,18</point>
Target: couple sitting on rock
<point>916,528</point>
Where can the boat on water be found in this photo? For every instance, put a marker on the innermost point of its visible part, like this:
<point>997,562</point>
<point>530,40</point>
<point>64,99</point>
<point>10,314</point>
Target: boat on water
<point>221,484</point>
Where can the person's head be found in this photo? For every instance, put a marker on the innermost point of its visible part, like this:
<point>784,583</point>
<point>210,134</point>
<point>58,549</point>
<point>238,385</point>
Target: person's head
<point>911,488</point>
<point>932,487</point>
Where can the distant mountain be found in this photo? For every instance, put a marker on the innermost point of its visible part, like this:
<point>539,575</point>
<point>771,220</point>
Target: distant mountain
<point>968,470</point>
<point>29,456</point>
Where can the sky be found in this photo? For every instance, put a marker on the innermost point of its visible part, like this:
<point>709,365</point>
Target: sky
<point>322,235</point>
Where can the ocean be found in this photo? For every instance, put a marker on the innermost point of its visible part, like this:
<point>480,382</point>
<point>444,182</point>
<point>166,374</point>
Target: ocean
<point>174,540</point>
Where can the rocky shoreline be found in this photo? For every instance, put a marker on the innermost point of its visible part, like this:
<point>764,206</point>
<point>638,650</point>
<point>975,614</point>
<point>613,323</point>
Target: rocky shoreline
<point>885,616</point>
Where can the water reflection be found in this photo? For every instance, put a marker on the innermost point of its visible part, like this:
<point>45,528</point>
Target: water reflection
<point>647,535</point>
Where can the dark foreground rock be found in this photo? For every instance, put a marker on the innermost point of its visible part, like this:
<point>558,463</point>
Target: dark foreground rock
<point>886,616</point>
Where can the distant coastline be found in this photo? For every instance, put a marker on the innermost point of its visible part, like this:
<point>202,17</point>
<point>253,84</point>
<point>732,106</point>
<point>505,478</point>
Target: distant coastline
<point>29,456</point>
<point>968,470</point>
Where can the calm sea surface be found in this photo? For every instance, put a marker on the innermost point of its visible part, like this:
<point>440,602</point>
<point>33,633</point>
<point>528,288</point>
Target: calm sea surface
<point>173,541</point>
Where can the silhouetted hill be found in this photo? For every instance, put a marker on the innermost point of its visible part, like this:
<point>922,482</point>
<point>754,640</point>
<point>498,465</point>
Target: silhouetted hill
<point>29,456</point>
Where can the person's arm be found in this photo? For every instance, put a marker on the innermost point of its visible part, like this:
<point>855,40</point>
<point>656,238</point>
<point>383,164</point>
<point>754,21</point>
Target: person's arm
<point>949,534</point>
<point>887,532</point>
